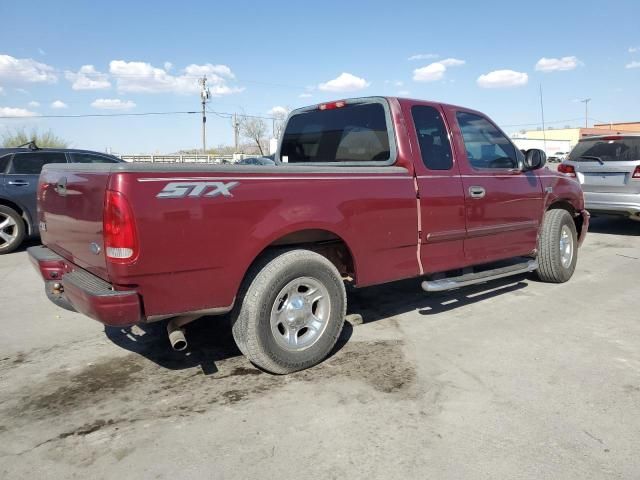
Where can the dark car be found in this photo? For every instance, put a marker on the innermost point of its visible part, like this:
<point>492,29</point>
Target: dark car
<point>256,161</point>
<point>19,172</point>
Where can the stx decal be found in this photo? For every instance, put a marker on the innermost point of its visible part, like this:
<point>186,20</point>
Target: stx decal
<point>197,189</point>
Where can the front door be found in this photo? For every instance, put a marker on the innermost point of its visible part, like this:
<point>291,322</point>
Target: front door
<point>503,204</point>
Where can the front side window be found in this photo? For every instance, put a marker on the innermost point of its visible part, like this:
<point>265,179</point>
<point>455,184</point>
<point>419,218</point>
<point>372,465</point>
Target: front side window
<point>32,163</point>
<point>90,158</point>
<point>354,133</point>
<point>432,137</point>
<point>486,146</point>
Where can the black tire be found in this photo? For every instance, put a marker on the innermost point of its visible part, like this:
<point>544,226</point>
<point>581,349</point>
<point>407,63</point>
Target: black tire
<point>252,325</point>
<point>550,264</point>
<point>17,230</point>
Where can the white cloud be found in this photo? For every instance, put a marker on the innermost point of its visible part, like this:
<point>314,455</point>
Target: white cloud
<point>168,66</point>
<point>112,104</point>
<point>557,64</point>
<point>16,112</point>
<point>143,77</point>
<point>87,78</point>
<point>279,112</point>
<point>633,64</point>
<point>503,79</point>
<point>25,70</point>
<point>435,71</point>
<point>452,62</point>
<point>430,73</point>
<point>58,104</point>
<point>634,49</point>
<point>345,82</point>
<point>423,56</point>
<point>305,95</point>
<point>404,93</point>
<point>33,104</point>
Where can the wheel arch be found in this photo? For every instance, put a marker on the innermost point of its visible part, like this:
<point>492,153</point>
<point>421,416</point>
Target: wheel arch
<point>565,204</point>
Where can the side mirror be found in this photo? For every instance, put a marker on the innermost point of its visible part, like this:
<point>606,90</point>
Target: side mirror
<point>534,159</point>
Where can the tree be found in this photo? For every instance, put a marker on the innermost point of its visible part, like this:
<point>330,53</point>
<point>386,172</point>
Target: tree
<point>280,115</point>
<point>19,136</point>
<point>255,130</point>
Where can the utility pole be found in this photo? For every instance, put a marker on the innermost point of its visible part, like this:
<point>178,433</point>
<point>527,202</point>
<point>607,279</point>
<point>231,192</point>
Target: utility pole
<point>544,133</point>
<point>236,126</point>
<point>204,97</point>
<point>586,111</point>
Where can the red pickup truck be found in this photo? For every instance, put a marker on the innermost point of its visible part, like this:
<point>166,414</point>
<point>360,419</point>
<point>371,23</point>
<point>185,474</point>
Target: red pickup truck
<point>366,190</point>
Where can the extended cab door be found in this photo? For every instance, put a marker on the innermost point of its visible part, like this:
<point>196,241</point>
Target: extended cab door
<point>503,204</point>
<point>441,199</point>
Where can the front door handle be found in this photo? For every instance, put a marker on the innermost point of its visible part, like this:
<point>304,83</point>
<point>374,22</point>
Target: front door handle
<point>18,183</point>
<point>477,192</point>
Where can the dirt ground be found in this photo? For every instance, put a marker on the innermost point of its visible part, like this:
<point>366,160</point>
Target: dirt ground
<point>514,379</point>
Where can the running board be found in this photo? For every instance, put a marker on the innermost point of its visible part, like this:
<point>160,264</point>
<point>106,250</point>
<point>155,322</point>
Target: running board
<point>480,277</point>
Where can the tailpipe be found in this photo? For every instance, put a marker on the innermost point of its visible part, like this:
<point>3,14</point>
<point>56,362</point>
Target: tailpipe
<point>175,331</point>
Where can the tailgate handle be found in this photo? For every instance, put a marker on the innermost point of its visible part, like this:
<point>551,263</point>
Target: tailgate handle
<point>18,183</point>
<point>477,192</point>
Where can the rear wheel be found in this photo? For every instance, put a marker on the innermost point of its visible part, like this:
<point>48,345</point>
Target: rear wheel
<point>557,247</point>
<point>291,313</point>
<point>12,229</point>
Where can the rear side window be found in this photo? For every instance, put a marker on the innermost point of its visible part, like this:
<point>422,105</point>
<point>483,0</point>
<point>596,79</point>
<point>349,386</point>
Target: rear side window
<point>4,161</point>
<point>432,137</point>
<point>486,146</point>
<point>354,133</point>
<point>32,163</point>
<point>607,149</point>
<point>90,158</point>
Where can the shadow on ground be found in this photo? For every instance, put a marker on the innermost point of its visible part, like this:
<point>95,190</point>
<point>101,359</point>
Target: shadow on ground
<point>614,226</point>
<point>211,341</point>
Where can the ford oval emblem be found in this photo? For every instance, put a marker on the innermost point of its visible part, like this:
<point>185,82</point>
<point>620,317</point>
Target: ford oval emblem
<point>95,248</point>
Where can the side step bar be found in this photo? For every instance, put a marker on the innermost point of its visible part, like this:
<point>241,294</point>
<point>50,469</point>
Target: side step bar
<point>480,277</point>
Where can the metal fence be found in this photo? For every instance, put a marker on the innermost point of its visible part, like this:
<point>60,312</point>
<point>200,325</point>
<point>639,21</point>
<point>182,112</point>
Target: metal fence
<point>182,158</point>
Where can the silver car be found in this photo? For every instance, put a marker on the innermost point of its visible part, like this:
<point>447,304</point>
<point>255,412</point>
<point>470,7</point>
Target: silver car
<point>608,168</point>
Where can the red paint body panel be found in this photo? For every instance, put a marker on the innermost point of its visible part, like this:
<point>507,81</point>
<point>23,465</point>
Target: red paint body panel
<point>195,251</point>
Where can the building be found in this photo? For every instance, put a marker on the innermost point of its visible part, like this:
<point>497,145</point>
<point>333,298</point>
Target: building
<point>626,126</point>
<point>550,147</point>
<point>573,135</point>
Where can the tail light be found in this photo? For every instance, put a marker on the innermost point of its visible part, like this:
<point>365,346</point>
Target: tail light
<point>567,169</point>
<point>636,172</point>
<point>332,105</point>
<point>120,238</point>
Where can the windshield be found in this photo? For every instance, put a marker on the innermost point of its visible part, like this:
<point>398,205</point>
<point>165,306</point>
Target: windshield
<point>353,133</point>
<point>614,149</point>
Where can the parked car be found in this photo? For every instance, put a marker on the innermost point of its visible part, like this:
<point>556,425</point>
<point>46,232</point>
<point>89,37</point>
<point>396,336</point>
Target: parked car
<point>256,161</point>
<point>19,172</point>
<point>608,168</point>
<point>367,190</point>
<point>558,157</point>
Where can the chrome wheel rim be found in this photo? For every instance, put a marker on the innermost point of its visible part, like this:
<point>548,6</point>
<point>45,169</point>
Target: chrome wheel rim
<point>566,247</point>
<point>300,314</point>
<point>8,229</point>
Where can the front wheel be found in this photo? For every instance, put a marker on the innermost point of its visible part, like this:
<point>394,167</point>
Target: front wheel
<point>557,247</point>
<point>291,313</point>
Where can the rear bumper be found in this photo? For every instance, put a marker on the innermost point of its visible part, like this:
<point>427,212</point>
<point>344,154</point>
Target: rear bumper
<point>613,203</point>
<point>69,286</point>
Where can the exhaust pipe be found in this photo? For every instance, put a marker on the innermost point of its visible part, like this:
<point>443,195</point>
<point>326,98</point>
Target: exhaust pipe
<point>175,331</point>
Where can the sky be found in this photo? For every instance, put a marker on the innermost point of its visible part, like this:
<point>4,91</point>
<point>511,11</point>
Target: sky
<point>80,57</point>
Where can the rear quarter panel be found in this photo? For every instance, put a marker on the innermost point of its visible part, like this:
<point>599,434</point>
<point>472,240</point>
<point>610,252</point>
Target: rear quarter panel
<point>194,251</point>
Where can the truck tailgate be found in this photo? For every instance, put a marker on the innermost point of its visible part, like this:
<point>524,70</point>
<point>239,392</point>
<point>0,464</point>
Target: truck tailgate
<point>70,206</point>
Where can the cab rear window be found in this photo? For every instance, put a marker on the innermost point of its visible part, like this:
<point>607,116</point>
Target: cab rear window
<point>607,149</point>
<point>351,134</point>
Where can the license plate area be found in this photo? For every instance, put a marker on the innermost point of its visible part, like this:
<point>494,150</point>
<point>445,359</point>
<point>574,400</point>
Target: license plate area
<point>605,179</point>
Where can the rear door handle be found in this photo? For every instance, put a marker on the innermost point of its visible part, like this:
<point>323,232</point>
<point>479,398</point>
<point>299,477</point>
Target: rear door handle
<point>18,183</point>
<point>477,192</point>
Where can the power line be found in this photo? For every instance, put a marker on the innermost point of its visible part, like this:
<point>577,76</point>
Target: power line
<point>86,115</point>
